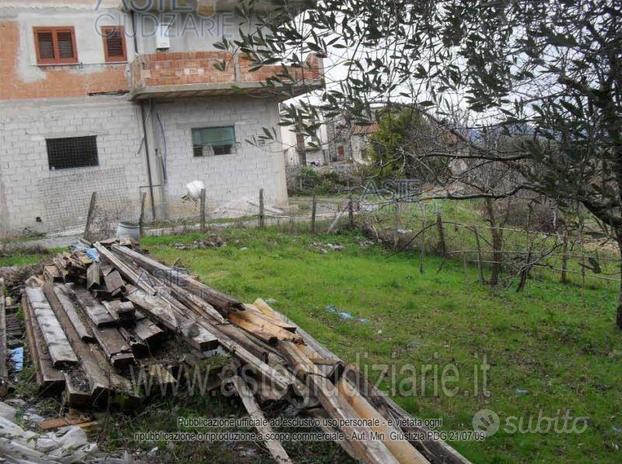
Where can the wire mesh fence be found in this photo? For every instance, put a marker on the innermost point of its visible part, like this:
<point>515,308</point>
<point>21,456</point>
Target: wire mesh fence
<point>425,228</point>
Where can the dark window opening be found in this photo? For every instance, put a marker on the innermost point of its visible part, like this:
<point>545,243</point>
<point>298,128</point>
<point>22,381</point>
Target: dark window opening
<point>72,152</point>
<point>114,43</point>
<point>55,45</point>
<point>210,141</point>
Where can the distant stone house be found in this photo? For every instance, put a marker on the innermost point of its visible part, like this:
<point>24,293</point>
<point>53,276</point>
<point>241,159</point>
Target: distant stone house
<point>123,100</point>
<point>359,141</point>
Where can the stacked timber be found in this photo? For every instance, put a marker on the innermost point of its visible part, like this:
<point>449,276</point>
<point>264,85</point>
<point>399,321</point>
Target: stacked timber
<point>96,315</point>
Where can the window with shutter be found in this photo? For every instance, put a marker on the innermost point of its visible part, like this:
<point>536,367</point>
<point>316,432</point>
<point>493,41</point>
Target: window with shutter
<point>114,44</point>
<point>46,45</point>
<point>210,141</point>
<point>65,45</point>
<point>55,45</point>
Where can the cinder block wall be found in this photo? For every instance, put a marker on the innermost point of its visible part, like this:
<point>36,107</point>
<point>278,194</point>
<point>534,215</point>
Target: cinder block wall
<point>228,178</point>
<point>60,198</point>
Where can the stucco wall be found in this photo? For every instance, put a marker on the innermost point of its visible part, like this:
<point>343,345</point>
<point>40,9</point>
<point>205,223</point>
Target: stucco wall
<point>228,178</point>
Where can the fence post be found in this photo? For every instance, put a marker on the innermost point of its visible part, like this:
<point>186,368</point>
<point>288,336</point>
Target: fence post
<point>313,213</point>
<point>564,278</point>
<point>396,234</point>
<point>141,219</point>
<point>351,211</point>
<point>422,252</point>
<point>479,255</point>
<point>203,207</point>
<point>89,217</point>
<point>442,246</point>
<point>262,222</point>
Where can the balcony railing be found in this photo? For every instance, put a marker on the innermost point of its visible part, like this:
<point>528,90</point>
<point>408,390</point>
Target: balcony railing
<point>171,74</point>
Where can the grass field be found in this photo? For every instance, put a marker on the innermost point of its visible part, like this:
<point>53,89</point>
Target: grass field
<point>550,349</point>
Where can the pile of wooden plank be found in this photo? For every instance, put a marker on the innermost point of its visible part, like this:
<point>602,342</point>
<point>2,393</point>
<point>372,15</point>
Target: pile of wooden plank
<point>98,313</point>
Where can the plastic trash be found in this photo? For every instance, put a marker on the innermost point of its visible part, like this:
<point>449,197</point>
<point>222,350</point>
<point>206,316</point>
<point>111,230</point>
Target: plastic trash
<point>344,315</point>
<point>17,358</point>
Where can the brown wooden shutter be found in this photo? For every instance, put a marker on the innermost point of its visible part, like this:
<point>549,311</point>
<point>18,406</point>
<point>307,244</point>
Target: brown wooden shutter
<point>65,45</point>
<point>114,43</point>
<point>55,45</point>
<point>45,42</point>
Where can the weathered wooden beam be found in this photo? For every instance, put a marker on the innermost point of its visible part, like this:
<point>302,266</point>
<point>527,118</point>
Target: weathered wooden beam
<point>218,300</point>
<point>4,370</point>
<point>262,328</point>
<point>58,345</point>
<point>170,316</point>
<point>121,311</point>
<point>93,275</point>
<point>263,427</point>
<point>129,273</point>
<point>261,308</point>
<point>90,362</point>
<point>148,331</point>
<point>436,451</point>
<point>403,451</point>
<point>97,313</point>
<point>64,296</point>
<point>48,378</point>
<point>77,393</point>
<point>114,282</point>
<point>369,451</point>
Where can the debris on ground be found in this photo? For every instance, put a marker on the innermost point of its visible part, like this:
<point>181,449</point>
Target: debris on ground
<point>94,319</point>
<point>344,315</point>
<point>214,241</point>
<point>326,247</point>
<point>66,444</point>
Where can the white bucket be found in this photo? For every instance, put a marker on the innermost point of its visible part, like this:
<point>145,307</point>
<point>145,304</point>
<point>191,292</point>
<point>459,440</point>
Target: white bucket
<point>194,189</point>
<point>128,230</point>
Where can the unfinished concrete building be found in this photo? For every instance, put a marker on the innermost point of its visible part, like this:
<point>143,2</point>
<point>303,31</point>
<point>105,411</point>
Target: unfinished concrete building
<point>122,98</point>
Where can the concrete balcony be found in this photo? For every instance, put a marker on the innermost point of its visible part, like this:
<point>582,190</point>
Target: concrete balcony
<point>206,7</point>
<point>193,74</point>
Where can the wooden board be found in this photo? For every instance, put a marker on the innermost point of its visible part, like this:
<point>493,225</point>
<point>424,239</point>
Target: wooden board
<point>93,275</point>
<point>220,301</point>
<point>254,411</point>
<point>168,315</point>
<point>4,371</point>
<point>64,296</point>
<point>114,282</point>
<point>48,378</point>
<point>115,347</point>
<point>147,330</point>
<point>263,328</point>
<point>121,311</point>
<point>94,310</point>
<point>91,362</point>
<point>368,451</point>
<point>52,273</point>
<point>57,343</point>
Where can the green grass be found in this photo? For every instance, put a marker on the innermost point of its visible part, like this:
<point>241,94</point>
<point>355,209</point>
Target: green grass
<point>21,259</point>
<point>552,347</point>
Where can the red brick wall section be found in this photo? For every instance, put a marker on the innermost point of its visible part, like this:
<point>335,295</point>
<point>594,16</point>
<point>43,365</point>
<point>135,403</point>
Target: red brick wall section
<point>59,81</point>
<point>181,68</point>
<point>198,68</point>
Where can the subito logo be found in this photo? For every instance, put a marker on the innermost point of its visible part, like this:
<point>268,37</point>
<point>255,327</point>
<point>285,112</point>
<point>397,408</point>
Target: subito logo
<point>486,421</point>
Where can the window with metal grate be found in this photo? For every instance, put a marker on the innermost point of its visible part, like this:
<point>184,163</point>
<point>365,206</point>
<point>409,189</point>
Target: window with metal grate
<point>72,152</point>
